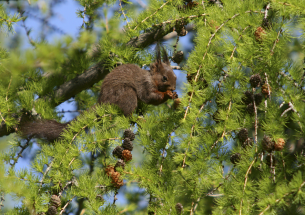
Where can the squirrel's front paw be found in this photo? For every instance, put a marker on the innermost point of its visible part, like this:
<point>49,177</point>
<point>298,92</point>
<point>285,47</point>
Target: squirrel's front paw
<point>171,94</point>
<point>175,95</point>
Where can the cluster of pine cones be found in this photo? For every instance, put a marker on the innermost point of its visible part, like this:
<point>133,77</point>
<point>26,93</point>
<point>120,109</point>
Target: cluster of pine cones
<point>246,141</point>
<point>124,154</point>
<point>249,97</point>
<point>268,145</point>
<point>55,203</point>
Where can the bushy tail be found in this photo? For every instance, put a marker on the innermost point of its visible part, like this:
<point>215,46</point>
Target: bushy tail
<point>43,129</point>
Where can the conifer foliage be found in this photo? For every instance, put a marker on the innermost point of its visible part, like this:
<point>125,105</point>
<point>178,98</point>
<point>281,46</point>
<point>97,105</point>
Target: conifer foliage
<point>232,144</point>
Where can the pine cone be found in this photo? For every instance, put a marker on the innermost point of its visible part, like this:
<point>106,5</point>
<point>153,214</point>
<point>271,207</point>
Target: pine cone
<point>279,144</point>
<point>119,164</point>
<point>266,89</point>
<point>55,201</point>
<point>248,98</point>
<point>268,161</point>
<point>52,210</point>
<point>176,104</point>
<point>127,144</point>
<point>116,181</point>
<point>190,5</point>
<point>258,98</point>
<point>109,169</point>
<point>127,155</point>
<point>250,109</point>
<point>255,80</point>
<point>117,152</point>
<point>248,142</point>
<point>266,24</point>
<point>99,197</point>
<point>235,158</point>
<point>259,34</point>
<point>243,135</point>
<point>268,144</point>
<point>178,57</point>
<point>179,208</point>
<point>129,134</point>
<point>190,77</point>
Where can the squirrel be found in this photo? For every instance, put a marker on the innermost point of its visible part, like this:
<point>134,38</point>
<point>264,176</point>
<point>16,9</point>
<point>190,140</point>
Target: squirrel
<point>123,87</point>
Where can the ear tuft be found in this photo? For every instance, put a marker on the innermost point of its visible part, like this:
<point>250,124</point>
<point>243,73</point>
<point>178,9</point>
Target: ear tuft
<point>158,53</point>
<point>165,56</point>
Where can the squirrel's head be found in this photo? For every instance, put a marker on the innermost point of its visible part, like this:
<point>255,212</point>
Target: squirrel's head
<point>162,73</point>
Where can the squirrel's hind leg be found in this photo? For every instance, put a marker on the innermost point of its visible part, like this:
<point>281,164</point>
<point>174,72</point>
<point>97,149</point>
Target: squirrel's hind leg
<point>125,97</point>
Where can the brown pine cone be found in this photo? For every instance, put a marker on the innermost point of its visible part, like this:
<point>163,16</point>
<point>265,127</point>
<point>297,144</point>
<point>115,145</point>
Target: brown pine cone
<point>259,34</point>
<point>266,89</point>
<point>119,164</point>
<point>235,158</point>
<point>255,80</point>
<point>179,208</point>
<point>127,144</point>
<point>243,135</point>
<point>117,152</point>
<point>176,104</point>
<point>129,134</point>
<point>52,210</point>
<point>268,144</point>
<point>55,201</point>
<point>250,109</point>
<point>109,169</point>
<point>248,98</point>
<point>127,156</point>
<point>258,98</point>
<point>190,5</point>
<point>248,142</point>
<point>178,57</point>
<point>266,24</point>
<point>279,144</point>
<point>182,32</point>
<point>116,181</point>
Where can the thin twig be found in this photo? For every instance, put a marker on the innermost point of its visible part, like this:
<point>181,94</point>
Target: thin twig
<point>1,199</point>
<point>276,41</point>
<point>245,184</point>
<point>290,79</point>
<point>182,18</point>
<point>256,120</point>
<point>208,194</point>
<point>238,40</point>
<point>45,173</point>
<point>191,135</point>
<point>266,11</point>
<point>152,14</point>
<point>8,88</point>
<point>19,155</point>
<point>224,129</point>
<point>66,205</point>
<point>115,198</point>
<point>120,3</point>
<point>209,43</point>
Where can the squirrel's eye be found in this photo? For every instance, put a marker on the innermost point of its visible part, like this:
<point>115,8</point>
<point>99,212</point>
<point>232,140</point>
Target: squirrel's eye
<point>164,78</point>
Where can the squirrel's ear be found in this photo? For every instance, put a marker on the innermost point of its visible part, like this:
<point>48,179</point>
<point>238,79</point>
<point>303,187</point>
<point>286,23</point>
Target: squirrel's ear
<point>153,67</point>
<point>165,56</point>
<point>158,53</point>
